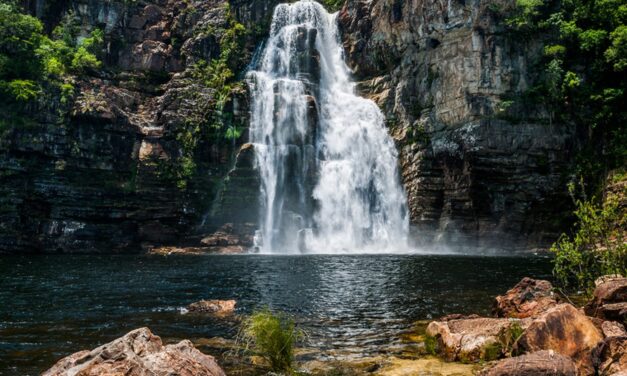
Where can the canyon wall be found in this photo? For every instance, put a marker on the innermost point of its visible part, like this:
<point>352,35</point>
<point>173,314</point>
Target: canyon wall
<point>107,171</point>
<point>480,168</point>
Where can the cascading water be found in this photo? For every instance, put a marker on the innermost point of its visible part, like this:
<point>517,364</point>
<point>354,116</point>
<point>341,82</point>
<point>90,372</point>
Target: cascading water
<point>328,168</point>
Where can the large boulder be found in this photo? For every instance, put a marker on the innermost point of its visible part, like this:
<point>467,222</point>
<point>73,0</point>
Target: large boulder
<point>472,339</point>
<point>610,299</point>
<point>565,330</point>
<point>529,298</point>
<point>610,356</point>
<point>138,353</point>
<point>541,363</point>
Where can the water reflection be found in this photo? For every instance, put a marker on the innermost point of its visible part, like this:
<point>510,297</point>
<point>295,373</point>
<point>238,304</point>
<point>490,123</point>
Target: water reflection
<point>56,305</point>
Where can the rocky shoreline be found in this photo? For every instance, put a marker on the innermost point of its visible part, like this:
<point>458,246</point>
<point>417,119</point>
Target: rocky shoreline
<point>533,330</point>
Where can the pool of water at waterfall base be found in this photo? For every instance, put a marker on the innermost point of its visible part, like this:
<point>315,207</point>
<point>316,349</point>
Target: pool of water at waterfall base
<point>52,306</point>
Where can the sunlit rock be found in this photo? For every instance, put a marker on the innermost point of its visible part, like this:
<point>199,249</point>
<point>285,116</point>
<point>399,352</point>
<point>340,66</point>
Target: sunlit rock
<point>138,353</point>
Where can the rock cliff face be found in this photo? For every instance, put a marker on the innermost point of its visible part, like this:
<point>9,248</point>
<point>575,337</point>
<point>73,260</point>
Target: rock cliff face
<point>480,168</point>
<point>103,173</point>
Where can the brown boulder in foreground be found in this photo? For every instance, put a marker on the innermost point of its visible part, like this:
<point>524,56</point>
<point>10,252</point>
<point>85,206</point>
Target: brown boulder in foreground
<point>217,307</point>
<point>529,298</point>
<point>541,363</point>
<point>565,330</point>
<point>470,339</point>
<point>138,353</point>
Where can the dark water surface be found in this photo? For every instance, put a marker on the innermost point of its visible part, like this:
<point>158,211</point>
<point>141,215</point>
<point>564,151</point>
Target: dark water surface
<point>52,306</point>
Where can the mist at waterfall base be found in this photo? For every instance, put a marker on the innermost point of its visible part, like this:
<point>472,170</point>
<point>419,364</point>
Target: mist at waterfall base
<point>328,168</point>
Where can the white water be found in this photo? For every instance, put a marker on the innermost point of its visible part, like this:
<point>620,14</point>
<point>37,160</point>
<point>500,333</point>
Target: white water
<point>331,185</point>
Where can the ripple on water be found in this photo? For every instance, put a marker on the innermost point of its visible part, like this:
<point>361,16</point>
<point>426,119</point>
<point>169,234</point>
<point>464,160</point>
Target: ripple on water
<point>51,306</point>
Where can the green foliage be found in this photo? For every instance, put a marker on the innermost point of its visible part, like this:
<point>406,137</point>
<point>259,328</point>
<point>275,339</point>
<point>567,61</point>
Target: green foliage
<point>271,336</point>
<point>582,76</point>
<point>333,5</point>
<point>210,119</point>
<point>596,248</point>
<point>30,60</point>
<point>431,345</point>
<point>510,336</point>
<point>21,90</point>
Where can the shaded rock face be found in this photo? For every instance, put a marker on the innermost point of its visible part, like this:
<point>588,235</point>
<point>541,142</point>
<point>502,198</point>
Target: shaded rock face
<point>479,167</point>
<point>94,178</point>
<point>541,363</point>
<point>609,299</point>
<point>610,356</point>
<point>528,298</point>
<point>565,330</point>
<point>138,353</point>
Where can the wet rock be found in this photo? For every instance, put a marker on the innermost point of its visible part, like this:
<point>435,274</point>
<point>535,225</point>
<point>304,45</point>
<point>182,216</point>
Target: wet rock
<point>565,330</point>
<point>610,356</point>
<point>541,363</point>
<point>475,174</point>
<point>529,298</point>
<point>217,307</point>
<point>138,353</point>
<point>609,300</point>
<point>471,339</point>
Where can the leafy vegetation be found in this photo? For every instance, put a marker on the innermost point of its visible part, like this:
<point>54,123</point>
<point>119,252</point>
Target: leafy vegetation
<point>333,5</point>
<point>31,61</point>
<point>210,119</point>
<point>271,336</point>
<point>583,73</point>
<point>598,247</point>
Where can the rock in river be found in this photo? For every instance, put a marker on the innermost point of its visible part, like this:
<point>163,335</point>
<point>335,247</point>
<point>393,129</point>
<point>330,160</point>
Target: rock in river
<point>216,307</point>
<point>138,353</point>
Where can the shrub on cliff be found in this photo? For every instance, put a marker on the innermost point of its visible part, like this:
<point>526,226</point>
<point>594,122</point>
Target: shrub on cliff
<point>598,247</point>
<point>272,337</point>
<point>583,74</point>
<point>31,61</point>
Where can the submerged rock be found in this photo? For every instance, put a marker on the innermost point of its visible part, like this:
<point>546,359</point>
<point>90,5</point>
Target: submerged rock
<point>138,353</point>
<point>541,363</point>
<point>471,339</point>
<point>529,298</point>
<point>217,307</point>
<point>565,330</point>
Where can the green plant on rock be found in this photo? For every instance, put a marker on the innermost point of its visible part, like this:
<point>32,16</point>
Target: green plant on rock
<point>271,336</point>
<point>598,246</point>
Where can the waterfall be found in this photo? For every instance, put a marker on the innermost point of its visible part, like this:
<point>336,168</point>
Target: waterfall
<point>328,168</point>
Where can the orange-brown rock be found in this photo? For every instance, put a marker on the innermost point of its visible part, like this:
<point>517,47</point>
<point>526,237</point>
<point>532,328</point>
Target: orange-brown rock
<point>610,356</point>
<point>218,307</point>
<point>470,339</point>
<point>565,330</point>
<point>529,298</point>
<point>138,353</point>
<point>541,363</point>
<point>610,298</point>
